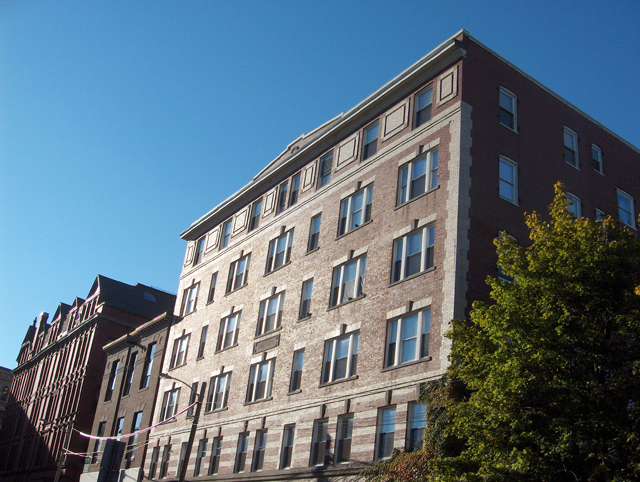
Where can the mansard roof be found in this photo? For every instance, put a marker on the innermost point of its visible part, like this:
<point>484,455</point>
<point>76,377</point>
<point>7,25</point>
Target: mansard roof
<point>61,312</point>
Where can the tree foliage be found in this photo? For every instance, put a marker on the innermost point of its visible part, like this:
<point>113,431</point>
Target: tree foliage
<point>544,383</point>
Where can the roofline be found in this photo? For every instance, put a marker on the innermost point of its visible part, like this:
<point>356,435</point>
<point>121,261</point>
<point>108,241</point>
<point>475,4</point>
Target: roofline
<point>345,117</point>
<point>149,324</point>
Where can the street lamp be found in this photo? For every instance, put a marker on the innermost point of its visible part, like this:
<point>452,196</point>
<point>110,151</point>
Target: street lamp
<point>194,424</point>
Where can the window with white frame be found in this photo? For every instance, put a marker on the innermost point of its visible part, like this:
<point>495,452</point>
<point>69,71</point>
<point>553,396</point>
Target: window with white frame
<point>355,210</point>
<point>386,431</point>
<point>193,395</point>
<point>370,141</point>
<point>203,341</point>
<point>199,250</point>
<point>130,454</point>
<point>225,234</point>
<point>148,365</point>
<point>596,158</point>
<point>508,187</point>
<point>314,233</point>
<point>216,451</point>
<point>508,109</point>
<point>418,176</point>
<point>228,333</point>
<point>413,253</point>
<point>348,281</point>
<point>201,454</point>
<point>218,393</point>
<point>111,384</point>
<point>282,197</point>
<point>169,403</point>
<point>416,422</point>
<point>288,435</point>
<point>324,172</point>
<point>625,209</point>
<point>295,190</point>
<point>155,454</point>
<point>130,373</point>
<point>571,147</point>
<point>256,210</point>
<point>408,338</point>
<point>164,463</point>
<point>258,451</point>
<point>190,299</point>
<point>296,370</point>
<point>238,273</point>
<point>320,443</point>
<point>340,359</point>
<point>575,206</point>
<point>343,439</point>
<point>270,314</point>
<point>180,347</point>
<point>212,287</point>
<point>305,299</point>
<point>241,453</point>
<point>279,252</point>
<point>260,380</point>
<point>423,103</point>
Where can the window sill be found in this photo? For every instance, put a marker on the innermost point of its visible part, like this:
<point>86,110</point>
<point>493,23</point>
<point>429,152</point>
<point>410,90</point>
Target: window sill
<point>509,127</point>
<point>237,289</point>
<point>200,358</point>
<point>334,382</point>
<point>225,349</point>
<point>216,411</point>
<point>312,250</point>
<point>417,197</point>
<point>295,392</point>
<point>509,200</point>
<point>406,364</point>
<point>267,333</point>
<point>177,366</point>
<point>305,317</point>
<point>278,268</point>
<point>258,401</point>
<point>354,229</point>
<point>413,276</point>
<point>348,301</point>
<point>574,166</point>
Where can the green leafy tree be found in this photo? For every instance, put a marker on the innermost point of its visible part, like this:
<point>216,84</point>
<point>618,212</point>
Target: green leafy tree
<point>550,372</point>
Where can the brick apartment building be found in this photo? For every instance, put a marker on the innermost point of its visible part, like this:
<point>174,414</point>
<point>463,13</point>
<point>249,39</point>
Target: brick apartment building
<point>57,381</point>
<point>5,387</point>
<point>314,300</point>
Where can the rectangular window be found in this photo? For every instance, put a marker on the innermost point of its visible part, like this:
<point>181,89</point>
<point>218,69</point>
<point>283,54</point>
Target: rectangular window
<point>279,252</point>
<point>324,174</point>
<point>260,380</point>
<point>200,456</point>
<point>295,189</point>
<point>97,448</point>
<point>126,390</point>
<point>241,454</point>
<point>296,370</point>
<point>340,358</point>
<point>118,428</point>
<point>386,429</point>
<point>180,347</point>
<point>343,447</point>
<point>153,466</point>
<point>133,440</point>
<point>193,394</point>
<point>320,444</point>
<point>508,110</point>
<point>111,385</point>
<point>225,234</point>
<point>282,197</point>
<point>575,205</point>
<point>218,394</point>
<point>287,446</point>
<point>571,147</point>
<point>238,273</point>
<point>270,314</point>
<point>164,465</point>
<point>348,281</point>
<point>228,334</point>
<point>169,404</point>
<point>305,299</point>
<point>508,180</point>
<point>355,210</point>
<point>216,450</point>
<point>413,253</point>
<point>423,103</point>
<point>600,215</point>
<point>212,287</point>
<point>199,250</point>
<point>183,458</point>
<point>203,341</point>
<point>256,210</point>
<point>370,141</point>
<point>625,209</point>
<point>190,299</point>
<point>314,233</point>
<point>258,451</point>
<point>418,176</point>
<point>408,338</point>
<point>148,365</point>
<point>417,420</point>
<point>596,158</point>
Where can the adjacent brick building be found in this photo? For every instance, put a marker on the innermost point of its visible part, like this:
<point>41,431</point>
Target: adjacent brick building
<point>313,301</point>
<point>57,381</point>
<point>5,390</point>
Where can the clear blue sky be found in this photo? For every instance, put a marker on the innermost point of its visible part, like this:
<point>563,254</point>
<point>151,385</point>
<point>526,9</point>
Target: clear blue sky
<point>123,122</point>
